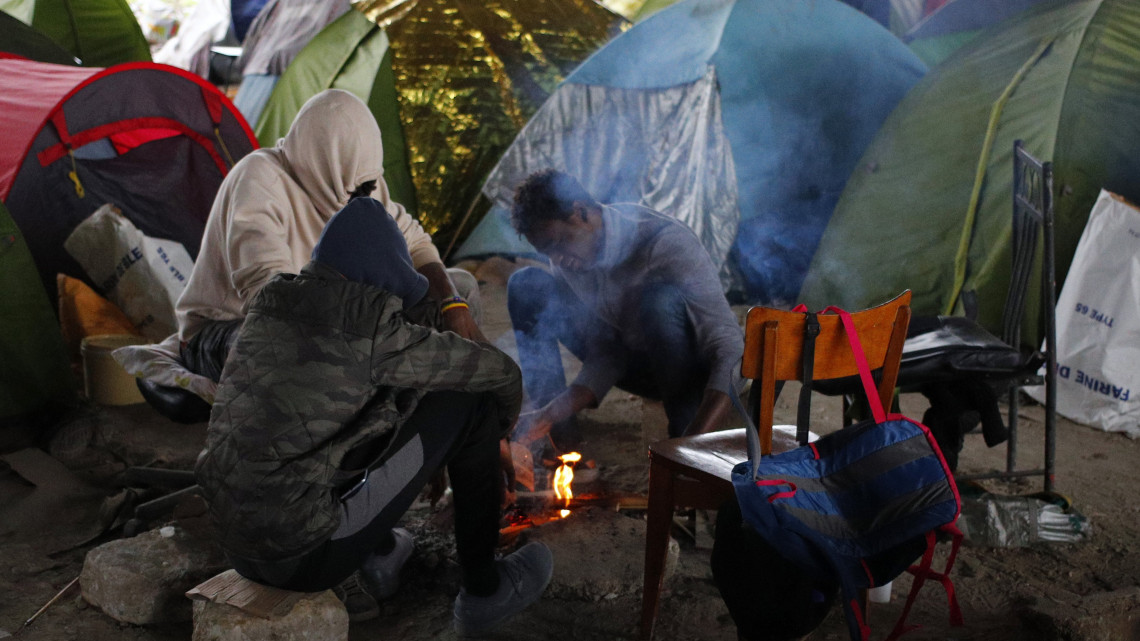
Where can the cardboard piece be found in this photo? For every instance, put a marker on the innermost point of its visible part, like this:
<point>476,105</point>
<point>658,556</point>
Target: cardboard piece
<point>262,601</point>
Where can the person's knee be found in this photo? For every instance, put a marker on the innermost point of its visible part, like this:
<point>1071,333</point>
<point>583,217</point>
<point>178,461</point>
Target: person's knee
<point>527,292</point>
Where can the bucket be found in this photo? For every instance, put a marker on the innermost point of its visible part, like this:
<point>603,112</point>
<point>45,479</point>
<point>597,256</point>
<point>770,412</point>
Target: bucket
<point>104,380</point>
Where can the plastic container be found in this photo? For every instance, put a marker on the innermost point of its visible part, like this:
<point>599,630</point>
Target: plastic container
<point>104,380</point>
<point>880,594</point>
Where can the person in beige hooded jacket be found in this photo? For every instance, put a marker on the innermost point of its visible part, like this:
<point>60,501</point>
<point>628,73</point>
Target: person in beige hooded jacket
<point>266,218</point>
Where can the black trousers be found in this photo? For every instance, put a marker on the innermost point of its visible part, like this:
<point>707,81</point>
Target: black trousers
<point>456,429</point>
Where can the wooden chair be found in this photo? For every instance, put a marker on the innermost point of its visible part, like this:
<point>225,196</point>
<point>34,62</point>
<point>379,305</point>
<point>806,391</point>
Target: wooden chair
<point>695,471</point>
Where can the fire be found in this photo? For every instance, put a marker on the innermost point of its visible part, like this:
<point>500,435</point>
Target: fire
<point>563,477</point>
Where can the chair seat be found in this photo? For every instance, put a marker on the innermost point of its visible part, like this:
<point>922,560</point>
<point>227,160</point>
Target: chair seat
<point>945,348</point>
<point>716,453</point>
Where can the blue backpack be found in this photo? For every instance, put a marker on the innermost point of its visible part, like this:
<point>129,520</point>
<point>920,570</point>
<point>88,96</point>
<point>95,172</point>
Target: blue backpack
<point>856,506</point>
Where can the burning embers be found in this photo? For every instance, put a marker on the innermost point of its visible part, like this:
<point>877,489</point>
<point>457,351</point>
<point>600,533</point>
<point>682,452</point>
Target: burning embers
<point>563,477</point>
<point>553,495</point>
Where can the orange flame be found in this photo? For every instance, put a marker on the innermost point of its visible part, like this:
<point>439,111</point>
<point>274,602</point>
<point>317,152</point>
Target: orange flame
<point>563,476</point>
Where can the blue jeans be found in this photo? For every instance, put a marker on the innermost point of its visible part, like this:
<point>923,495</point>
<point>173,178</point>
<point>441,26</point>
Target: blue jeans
<point>662,361</point>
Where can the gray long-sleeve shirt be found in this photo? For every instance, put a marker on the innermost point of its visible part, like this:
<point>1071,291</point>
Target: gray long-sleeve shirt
<point>642,247</point>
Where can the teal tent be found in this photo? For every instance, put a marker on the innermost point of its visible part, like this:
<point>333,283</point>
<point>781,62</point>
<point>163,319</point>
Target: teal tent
<point>450,83</point>
<point>928,207</point>
<point>35,369</point>
<point>742,119</point>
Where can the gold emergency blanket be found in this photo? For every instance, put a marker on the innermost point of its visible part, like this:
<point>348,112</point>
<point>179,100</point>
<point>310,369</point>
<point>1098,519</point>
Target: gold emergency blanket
<point>468,75</point>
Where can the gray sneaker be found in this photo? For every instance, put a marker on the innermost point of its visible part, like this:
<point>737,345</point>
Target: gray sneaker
<point>381,574</point>
<point>523,575</point>
<point>359,604</point>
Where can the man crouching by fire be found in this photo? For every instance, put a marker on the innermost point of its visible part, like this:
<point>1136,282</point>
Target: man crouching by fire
<point>630,292</point>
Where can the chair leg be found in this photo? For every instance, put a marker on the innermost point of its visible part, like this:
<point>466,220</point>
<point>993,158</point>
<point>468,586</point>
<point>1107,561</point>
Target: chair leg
<point>1011,442</point>
<point>659,518</point>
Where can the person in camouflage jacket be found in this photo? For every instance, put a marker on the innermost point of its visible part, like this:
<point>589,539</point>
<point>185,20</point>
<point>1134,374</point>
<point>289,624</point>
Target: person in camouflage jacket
<point>334,410</point>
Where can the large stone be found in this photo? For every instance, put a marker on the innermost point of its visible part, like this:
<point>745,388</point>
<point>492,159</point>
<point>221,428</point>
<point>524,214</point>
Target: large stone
<point>598,554</point>
<point>314,617</point>
<point>143,580</point>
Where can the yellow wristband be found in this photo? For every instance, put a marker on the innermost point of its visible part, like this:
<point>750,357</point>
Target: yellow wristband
<point>450,306</point>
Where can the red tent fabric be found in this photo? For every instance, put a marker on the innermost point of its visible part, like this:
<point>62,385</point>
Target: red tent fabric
<point>40,90</point>
<point>151,139</point>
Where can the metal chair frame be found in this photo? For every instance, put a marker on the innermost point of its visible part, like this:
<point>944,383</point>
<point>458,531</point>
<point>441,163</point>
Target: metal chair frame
<point>1032,211</point>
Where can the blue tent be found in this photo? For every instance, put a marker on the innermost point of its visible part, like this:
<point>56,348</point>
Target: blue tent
<point>243,13</point>
<point>743,119</point>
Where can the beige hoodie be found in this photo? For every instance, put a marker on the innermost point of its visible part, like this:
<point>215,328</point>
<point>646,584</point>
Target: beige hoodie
<point>271,208</point>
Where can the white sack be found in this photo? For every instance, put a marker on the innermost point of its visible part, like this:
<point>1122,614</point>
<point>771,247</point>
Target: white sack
<point>1098,323</point>
<point>142,275</point>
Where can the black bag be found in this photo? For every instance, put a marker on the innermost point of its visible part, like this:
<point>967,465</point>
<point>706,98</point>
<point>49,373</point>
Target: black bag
<point>769,597</point>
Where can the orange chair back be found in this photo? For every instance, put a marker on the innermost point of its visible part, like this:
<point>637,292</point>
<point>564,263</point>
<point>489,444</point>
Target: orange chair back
<point>773,351</point>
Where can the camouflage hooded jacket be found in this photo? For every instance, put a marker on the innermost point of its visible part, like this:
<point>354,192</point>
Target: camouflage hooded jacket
<point>322,365</point>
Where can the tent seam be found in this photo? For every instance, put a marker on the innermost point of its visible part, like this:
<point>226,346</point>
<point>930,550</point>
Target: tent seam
<point>961,258</point>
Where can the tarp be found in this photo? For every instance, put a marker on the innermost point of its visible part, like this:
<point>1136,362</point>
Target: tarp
<point>34,368</point>
<point>22,40</point>
<point>929,206</point>
<point>450,82</point>
<point>279,32</point>
<point>151,139</point>
<point>98,32</point>
<point>726,115</point>
<point>189,48</point>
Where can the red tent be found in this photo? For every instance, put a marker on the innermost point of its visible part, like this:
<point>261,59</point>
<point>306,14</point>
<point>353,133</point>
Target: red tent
<point>151,139</point>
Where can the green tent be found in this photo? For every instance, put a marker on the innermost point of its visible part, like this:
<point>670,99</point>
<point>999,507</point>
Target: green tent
<point>22,40</point>
<point>35,367</point>
<point>100,33</point>
<point>928,207</point>
<point>450,82</point>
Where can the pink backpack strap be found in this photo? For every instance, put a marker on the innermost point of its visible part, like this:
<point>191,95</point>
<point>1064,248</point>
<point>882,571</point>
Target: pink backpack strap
<point>922,571</point>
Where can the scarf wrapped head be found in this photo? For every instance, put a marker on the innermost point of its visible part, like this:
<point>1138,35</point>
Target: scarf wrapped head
<point>333,147</point>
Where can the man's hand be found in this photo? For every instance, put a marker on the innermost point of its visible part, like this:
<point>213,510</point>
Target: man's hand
<point>456,319</point>
<point>507,463</point>
<point>713,414</point>
<point>459,320</point>
<point>533,426</point>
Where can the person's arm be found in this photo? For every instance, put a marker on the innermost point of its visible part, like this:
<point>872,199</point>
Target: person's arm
<point>427,261</point>
<point>712,414</point>
<point>415,357</point>
<point>456,318</point>
<point>255,246</point>
<point>535,425</point>
<point>679,258</point>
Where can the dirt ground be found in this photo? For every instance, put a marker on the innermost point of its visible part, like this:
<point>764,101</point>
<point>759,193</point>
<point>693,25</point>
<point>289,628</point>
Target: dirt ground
<point>1045,591</point>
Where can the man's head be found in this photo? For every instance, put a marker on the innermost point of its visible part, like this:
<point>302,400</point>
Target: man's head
<point>560,218</point>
